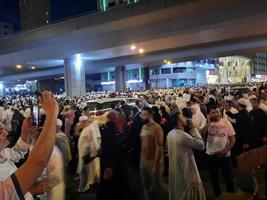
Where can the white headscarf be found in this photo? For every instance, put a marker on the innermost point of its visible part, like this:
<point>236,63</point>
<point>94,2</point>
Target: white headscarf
<point>198,118</point>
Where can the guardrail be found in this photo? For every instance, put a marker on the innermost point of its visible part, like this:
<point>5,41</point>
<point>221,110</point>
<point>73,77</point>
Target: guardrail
<point>96,17</point>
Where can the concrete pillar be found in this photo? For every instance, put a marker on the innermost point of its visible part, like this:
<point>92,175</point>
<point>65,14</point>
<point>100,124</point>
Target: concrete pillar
<point>120,79</point>
<point>201,77</point>
<point>2,89</point>
<point>34,86</point>
<point>146,78</point>
<point>168,83</point>
<point>74,73</point>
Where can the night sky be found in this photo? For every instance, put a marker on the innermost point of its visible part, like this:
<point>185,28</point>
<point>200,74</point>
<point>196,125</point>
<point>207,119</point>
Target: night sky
<point>9,9</point>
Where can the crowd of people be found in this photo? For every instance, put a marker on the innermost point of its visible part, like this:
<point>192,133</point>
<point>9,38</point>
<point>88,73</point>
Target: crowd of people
<point>165,138</point>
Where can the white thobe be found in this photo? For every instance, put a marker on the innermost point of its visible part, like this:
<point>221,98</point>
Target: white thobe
<point>55,170</point>
<point>89,143</point>
<point>184,179</point>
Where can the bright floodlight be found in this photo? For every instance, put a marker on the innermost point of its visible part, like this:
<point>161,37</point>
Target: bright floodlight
<point>133,47</point>
<point>141,50</point>
<point>33,67</point>
<point>18,66</point>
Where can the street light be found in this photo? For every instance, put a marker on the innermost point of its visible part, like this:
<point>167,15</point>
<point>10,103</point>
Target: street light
<point>18,66</point>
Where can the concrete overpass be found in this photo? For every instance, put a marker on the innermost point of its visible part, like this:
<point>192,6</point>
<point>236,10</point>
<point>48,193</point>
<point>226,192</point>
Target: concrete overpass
<point>178,31</point>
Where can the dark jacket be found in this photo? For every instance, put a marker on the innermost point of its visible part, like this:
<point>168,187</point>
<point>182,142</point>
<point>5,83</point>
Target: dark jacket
<point>242,128</point>
<point>258,127</point>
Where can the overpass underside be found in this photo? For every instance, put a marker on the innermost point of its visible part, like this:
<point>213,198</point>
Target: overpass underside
<point>193,30</point>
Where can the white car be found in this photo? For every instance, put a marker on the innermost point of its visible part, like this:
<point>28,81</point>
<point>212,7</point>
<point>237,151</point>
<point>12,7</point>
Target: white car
<point>100,107</point>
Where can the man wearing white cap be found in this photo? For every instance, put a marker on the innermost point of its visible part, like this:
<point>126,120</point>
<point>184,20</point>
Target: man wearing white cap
<point>242,125</point>
<point>88,147</point>
<point>261,106</point>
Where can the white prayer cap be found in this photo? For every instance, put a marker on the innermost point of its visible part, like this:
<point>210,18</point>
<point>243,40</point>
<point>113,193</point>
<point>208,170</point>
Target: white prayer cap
<point>59,123</point>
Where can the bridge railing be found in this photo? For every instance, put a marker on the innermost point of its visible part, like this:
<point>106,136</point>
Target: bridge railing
<point>93,17</point>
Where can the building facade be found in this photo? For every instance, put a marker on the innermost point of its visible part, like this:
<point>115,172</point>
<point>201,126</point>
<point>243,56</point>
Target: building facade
<point>234,69</point>
<point>180,74</point>
<point>6,29</point>
<point>34,13</point>
<point>134,76</point>
<point>258,64</point>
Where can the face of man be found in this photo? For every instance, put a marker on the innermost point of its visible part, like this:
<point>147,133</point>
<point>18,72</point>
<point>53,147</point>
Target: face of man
<point>84,123</point>
<point>3,139</point>
<point>58,129</point>
<point>182,121</point>
<point>145,116</point>
<point>255,103</point>
<point>215,114</point>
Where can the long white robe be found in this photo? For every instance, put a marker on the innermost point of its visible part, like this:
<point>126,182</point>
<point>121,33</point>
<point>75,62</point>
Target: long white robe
<point>89,143</point>
<point>184,178</point>
<point>55,169</point>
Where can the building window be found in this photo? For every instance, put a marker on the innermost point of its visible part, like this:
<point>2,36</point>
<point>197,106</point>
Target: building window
<point>155,71</point>
<point>179,69</point>
<point>166,71</point>
<point>5,26</point>
<point>190,70</point>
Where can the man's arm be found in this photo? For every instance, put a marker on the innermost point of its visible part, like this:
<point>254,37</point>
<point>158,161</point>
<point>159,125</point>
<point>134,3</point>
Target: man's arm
<point>231,137</point>
<point>33,167</point>
<point>159,151</point>
<point>230,145</point>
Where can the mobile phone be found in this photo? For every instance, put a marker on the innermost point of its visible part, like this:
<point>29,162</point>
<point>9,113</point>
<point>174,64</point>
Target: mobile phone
<point>35,112</point>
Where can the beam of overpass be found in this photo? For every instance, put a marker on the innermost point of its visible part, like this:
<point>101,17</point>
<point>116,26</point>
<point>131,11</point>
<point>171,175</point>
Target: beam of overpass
<point>153,59</point>
<point>111,37</point>
<point>202,28</point>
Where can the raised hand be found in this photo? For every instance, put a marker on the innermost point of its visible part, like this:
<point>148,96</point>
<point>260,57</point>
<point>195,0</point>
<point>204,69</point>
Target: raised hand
<point>49,103</point>
<point>26,130</point>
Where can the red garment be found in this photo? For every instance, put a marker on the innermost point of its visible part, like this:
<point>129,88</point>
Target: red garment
<point>115,119</point>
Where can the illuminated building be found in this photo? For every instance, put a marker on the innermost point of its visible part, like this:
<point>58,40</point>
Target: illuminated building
<point>234,69</point>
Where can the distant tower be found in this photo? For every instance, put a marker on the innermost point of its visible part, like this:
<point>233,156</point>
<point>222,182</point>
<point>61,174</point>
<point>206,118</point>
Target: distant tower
<point>34,13</point>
